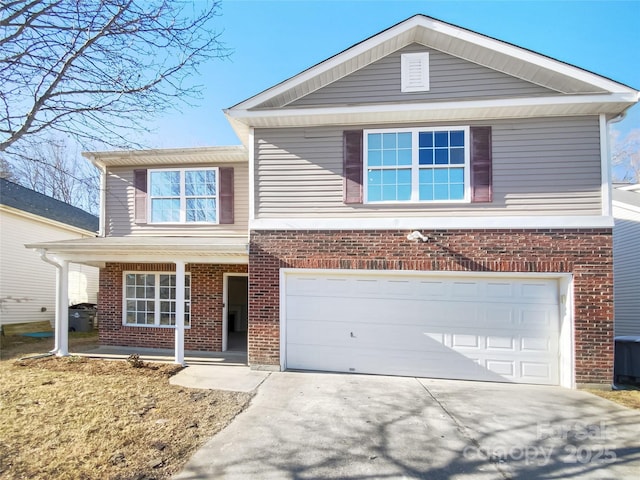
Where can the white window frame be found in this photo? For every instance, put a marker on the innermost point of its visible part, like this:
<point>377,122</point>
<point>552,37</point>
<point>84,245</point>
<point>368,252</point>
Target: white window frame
<point>156,300</point>
<point>183,197</point>
<point>415,165</point>
<point>411,63</point>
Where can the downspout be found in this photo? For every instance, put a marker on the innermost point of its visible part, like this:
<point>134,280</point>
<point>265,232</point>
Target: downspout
<point>605,162</point>
<point>61,345</point>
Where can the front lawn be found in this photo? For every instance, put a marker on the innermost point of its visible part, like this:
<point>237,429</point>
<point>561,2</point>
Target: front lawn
<point>75,418</point>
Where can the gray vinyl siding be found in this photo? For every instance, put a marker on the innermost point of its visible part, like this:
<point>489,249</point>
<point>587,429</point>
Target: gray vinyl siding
<point>120,207</point>
<point>451,78</point>
<point>626,267</point>
<point>540,167</point>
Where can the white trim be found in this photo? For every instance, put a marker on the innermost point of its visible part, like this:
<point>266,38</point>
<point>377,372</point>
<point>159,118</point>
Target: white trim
<point>625,206</point>
<point>452,31</point>
<point>183,195</point>
<point>415,165</point>
<point>412,223</point>
<point>179,318</point>
<point>564,284</point>
<point>157,298</point>
<point>605,165</point>
<point>102,228</point>
<point>225,307</point>
<point>252,164</point>
<point>280,115</point>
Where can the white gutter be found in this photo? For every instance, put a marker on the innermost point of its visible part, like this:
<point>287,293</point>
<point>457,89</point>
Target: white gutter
<point>61,345</point>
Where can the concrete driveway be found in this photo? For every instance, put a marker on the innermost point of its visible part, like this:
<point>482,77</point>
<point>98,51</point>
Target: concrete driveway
<point>315,425</point>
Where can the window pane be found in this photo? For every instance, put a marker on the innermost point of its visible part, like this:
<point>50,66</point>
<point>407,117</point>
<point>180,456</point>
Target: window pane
<point>165,184</point>
<point>404,157</point>
<point>442,156</point>
<point>441,139</point>
<point>404,140</point>
<point>457,156</point>
<point>441,175</point>
<point>200,182</point>
<point>389,140</point>
<point>165,210</point>
<point>426,192</point>
<point>375,158</point>
<point>201,210</point>
<point>425,139</point>
<point>425,176</point>
<point>404,192</point>
<point>456,192</point>
<point>389,192</point>
<point>441,192</point>
<point>426,156</point>
<point>457,138</point>
<point>374,141</point>
<point>456,175</point>
<point>389,177</point>
<point>389,158</point>
<point>374,193</point>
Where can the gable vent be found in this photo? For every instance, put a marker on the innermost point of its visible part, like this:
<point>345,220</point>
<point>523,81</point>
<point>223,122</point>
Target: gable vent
<point>415,72</point>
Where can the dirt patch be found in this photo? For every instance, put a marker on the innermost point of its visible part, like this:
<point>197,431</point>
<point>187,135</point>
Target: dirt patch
<point>79,418</point>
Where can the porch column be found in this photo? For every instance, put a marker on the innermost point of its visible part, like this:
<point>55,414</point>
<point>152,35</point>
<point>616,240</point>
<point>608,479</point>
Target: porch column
<point>180,272</point>
<point>62,310</point>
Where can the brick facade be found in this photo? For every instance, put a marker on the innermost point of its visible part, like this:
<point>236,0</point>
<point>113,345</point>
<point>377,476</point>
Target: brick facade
<point>585,253</point>
<point>205,333</point>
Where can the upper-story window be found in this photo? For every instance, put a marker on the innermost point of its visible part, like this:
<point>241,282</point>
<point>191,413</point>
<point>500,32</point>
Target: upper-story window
<point>417,165</point>
<point>186,195</point>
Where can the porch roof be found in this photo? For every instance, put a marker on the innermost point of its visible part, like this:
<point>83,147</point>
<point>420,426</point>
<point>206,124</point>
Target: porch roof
<point>98,251</point>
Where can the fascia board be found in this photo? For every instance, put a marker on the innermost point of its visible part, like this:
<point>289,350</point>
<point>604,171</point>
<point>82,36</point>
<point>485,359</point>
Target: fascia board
<point>246,116</point>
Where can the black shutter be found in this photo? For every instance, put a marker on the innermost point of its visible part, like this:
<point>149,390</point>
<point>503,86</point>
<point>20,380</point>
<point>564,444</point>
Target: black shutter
<point>352,166</point>
<point>226,195</point>
<point>481,165</point>
<point>140,197</point>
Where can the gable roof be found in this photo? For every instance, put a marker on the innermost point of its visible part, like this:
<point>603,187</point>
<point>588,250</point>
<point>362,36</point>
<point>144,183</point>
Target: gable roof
<point>22,198</point>
<point>583,92</point>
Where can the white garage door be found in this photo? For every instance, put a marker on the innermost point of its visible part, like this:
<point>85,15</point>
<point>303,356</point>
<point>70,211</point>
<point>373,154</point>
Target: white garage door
<point>473,328</point>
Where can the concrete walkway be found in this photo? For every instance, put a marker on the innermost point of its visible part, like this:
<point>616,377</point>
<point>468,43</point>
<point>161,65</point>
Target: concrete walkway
<point>314,425</point>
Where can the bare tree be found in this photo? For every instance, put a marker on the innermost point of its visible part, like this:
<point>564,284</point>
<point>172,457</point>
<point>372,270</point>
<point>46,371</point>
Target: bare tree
<point>55,168</point>
<point>97,70</point>
<point>625,155</point>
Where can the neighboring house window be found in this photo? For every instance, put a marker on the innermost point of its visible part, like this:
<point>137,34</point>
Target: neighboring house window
<point>414,72</point>
<point>150,299</point>
<point>183,195</point>
<point>417,165</point>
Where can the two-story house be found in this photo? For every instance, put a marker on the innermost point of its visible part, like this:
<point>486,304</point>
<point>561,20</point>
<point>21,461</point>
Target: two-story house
<point>429,202</point>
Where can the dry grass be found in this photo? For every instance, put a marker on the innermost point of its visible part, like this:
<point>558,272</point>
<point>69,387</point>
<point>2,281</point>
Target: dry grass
<point>628,398</point>
<point>74,418</point>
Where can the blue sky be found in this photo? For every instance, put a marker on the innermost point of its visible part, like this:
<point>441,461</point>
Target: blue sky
<point>273,40</point>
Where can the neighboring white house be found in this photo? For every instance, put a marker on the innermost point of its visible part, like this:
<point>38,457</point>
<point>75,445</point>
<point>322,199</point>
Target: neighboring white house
<point>626,259</point>
<point>27,284</point>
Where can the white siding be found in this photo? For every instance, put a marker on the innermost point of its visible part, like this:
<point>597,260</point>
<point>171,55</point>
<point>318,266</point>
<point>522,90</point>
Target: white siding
<point>540,167</point>
<point>27,284</point>
<point>120,207</point>
<point>626,269</point>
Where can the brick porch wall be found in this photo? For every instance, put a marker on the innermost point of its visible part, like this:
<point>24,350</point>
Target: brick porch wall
<point>205,333</point>
<point>586,253</point>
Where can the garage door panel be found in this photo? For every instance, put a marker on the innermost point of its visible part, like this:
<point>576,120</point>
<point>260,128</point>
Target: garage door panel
<point>474,328</point>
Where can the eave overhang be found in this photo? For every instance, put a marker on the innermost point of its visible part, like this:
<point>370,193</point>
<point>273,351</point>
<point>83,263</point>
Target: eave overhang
<point>610,104</point>
<point>99,251</point>
<point>169,156</point>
